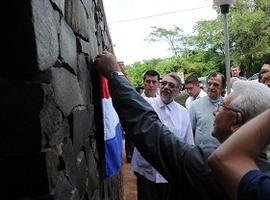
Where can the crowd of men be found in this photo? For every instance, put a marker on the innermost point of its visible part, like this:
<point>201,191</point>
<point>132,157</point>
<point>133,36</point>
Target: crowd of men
<point>187,153</point>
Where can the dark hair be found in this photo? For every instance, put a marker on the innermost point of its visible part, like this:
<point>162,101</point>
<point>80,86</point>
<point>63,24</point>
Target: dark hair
<point>193,80</point>
<point>215,74</point>
<point>151,73</point>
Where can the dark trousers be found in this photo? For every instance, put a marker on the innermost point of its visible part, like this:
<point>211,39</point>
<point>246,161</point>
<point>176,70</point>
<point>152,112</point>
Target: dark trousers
<point>148,190</point>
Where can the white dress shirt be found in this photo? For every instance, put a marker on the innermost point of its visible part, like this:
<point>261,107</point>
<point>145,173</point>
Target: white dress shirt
<point>177,119</point>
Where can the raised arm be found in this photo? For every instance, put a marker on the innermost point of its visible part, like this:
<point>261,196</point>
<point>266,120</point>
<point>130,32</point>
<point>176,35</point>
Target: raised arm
<point>236,156</point>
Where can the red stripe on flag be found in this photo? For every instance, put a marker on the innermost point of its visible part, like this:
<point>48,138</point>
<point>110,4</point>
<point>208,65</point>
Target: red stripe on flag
<point>104,88</point>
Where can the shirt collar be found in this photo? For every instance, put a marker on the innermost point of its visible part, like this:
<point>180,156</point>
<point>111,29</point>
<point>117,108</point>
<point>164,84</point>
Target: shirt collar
<point>215,101</point>
<point>162,104</point>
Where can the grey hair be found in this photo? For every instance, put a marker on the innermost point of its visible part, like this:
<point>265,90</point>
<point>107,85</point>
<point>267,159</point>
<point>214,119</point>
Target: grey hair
<point>177,78</point>
<point>252,98</point>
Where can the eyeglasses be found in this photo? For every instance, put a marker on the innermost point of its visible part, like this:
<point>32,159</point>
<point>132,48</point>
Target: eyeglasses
<point>170,84</point>
<point>222,104</point>
<point>151,81</point>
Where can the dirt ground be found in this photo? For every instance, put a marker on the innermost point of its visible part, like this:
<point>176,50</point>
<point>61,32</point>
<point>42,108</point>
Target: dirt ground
<point>129,180</point>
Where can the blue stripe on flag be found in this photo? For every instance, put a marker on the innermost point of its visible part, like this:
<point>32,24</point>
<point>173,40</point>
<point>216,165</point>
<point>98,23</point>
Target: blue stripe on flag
<point>113,152</point>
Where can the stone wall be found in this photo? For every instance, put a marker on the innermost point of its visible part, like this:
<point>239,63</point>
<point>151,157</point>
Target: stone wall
<point>51,138</point>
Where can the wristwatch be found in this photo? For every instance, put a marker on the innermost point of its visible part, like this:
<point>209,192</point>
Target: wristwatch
<point>116,73</point>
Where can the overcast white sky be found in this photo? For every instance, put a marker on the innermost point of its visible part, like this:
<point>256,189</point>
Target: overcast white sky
<point>129,36</point>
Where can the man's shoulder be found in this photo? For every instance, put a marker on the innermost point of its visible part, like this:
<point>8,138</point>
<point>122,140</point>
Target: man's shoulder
<point>151,99</point>
<point>199,101</point>
<point>202,94</point>
<point>189,99</point>
<point>179,107</point>
<point>242,78</point>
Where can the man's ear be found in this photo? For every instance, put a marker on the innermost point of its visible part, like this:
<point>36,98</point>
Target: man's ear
<point>238,121</point>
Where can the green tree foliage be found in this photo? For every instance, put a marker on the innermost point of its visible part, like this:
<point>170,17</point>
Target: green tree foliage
<point>198,63</point>
<point>208,44</point>
<point>173,37</point>
<point>250,34</point>
<point>173,64</point>
<point>208,35</point>
<point>136,70</point>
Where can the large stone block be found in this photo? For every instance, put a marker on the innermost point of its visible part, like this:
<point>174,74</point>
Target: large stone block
<point>69,159</point>
<point>66,90</point>
<point>51,119</point>
<point>84,78</point>
<point>82,174</point>
<point>64,189</point>
<point>53,165</point>
<point>93,175</point>
<point>60,134</point>
<point>83,46</point>
<point>68,47</point>
<point>76,17</point>
<point>46,35</point>
<point>81,128</point>
<point>92,122</point>
<point>93,33</point>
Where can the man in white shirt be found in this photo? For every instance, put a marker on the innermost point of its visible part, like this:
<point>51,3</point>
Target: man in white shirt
<point>150,89</point>
<point>192,86</point>
<point>150,184</point>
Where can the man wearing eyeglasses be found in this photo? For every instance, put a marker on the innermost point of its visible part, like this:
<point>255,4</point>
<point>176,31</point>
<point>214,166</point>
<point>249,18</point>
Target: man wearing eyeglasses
<point>183,165</point>
<point>201,111</point>
<point>234,162</point>
<point>150,184</point>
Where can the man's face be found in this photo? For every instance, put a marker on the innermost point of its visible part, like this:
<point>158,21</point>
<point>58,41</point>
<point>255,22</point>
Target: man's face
<point>265,68</point>
<point>168,89</point>
<point>226,119</point>
<point>193,90</point>
<point>151,84</point>
<point>235,71</point>
<point>214,87</point>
